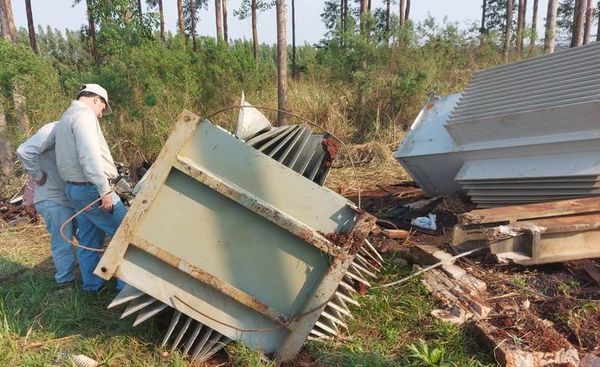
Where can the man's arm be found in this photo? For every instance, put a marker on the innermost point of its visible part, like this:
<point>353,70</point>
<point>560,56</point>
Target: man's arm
<point>85,131</point>
<point>28,152</point>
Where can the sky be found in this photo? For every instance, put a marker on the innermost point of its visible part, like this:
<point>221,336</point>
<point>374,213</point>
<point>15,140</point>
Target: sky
<point>61,14</point>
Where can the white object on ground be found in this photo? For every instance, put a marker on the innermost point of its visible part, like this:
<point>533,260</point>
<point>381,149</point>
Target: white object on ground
<point>84,361</point>
<point>425,222</point>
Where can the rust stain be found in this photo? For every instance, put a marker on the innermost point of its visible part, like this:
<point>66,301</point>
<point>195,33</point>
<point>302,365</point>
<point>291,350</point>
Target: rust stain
<point>331,149</point>
<point>354,240</point>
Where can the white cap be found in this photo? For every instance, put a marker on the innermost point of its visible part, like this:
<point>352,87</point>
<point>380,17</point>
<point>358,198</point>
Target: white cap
<point>97,89</point>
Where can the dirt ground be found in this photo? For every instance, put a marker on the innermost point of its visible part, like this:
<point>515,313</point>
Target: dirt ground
<point>540,308</point>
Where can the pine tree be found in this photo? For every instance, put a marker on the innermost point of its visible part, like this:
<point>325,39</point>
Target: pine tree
<point>251,8</point>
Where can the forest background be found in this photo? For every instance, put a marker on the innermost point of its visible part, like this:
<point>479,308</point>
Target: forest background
<point>365,81</point>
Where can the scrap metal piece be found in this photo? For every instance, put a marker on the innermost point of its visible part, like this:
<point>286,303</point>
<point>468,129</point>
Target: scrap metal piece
<point>250,120</point>
<point>174,321</point>
<point>274,274</point>
<point>182,331</point>
<point>138,304</point>
<point>128,293</point>
<point>506,135</point>
<point>147,313</point>
<point>191,339</point>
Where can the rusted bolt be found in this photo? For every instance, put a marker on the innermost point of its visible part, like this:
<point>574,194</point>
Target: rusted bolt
<point>103,269</point>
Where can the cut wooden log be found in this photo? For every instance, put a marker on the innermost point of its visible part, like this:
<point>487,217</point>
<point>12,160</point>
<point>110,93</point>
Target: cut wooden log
<point>396,234</point>
<point>507,355</point>
<point>458,304</point>
<point>509,214</point>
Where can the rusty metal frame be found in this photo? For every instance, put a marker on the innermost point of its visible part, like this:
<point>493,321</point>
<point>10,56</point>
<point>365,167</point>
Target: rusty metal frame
<point>297,326</point>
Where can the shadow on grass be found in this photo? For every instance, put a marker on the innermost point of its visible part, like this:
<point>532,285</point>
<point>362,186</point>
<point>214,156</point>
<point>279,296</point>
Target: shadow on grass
<point>10,270</point>
<point>37,311</point>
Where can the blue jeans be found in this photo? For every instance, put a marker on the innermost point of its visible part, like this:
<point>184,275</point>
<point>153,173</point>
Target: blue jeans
<point>93,226</point>
<point>63,254</point>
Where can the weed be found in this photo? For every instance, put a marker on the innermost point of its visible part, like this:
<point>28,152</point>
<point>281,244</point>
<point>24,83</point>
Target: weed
<point>242,356</point>
<point>519,281</point>
<point>422,354</point>
<point>566,287</point>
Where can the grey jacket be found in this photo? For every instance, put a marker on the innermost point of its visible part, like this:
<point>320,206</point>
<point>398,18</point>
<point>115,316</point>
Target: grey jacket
<point>82,154</point>
<point>38,157</point>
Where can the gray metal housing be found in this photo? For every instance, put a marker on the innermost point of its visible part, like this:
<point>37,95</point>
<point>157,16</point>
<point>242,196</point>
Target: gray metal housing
<point>521,133</point>
<point>235,240</point>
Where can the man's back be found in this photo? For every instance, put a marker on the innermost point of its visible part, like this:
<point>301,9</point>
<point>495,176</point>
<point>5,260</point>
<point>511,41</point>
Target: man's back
<point>82,154</point>
<point>37,155</point>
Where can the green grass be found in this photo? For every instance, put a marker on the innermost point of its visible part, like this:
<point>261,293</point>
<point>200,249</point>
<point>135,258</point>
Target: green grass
<point>392,324</point>
<point>41,325</point>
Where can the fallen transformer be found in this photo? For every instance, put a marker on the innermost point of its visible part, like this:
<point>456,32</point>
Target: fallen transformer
<point>521,133</point>
<point>241,241</point>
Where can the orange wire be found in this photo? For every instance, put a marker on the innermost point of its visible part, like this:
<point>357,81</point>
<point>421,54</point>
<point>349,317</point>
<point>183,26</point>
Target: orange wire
<point>75,216</point>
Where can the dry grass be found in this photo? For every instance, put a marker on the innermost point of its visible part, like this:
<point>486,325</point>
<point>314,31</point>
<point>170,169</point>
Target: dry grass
<point>374,165</point>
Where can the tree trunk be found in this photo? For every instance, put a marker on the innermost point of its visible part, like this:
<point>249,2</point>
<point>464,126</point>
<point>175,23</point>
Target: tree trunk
<point>407,11</point>
<point>344,21</point>
<point>294,39</point>
<point>92,33</point>
<point>388,10</point>
<point>225,25</point>
<point>193,24</point>
<point>483,10</point>
<point>402,13</point>
<point>20,105</point>
<point>180,17</point>
<point>140,13</point>
<point>508,29</point>
<point>31,26</point>
<point>8,31</point>
<point>5,150</point>
<point>578,23</point>
<point>364,6</point>
<point>7,22</point>
<point>281,64</point>
<point>162,20</point>
<point>254,33</point>
<point>550,36</point>
<point>589,21</point>
<point>534,16</point>
<point>598,30</point>
<point>219,20</point>
<point>521,25</point>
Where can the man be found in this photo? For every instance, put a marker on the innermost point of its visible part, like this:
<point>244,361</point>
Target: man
<point>86,165</point>
<point>38,158</point>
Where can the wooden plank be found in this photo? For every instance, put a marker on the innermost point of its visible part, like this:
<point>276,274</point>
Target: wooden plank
<point>514,213</point>
<point>510,356</point>
<point>397,234</point>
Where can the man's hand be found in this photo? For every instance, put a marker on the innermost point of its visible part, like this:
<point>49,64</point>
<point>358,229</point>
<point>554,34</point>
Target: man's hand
<point>42,180</point>
<point>107,203</point>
